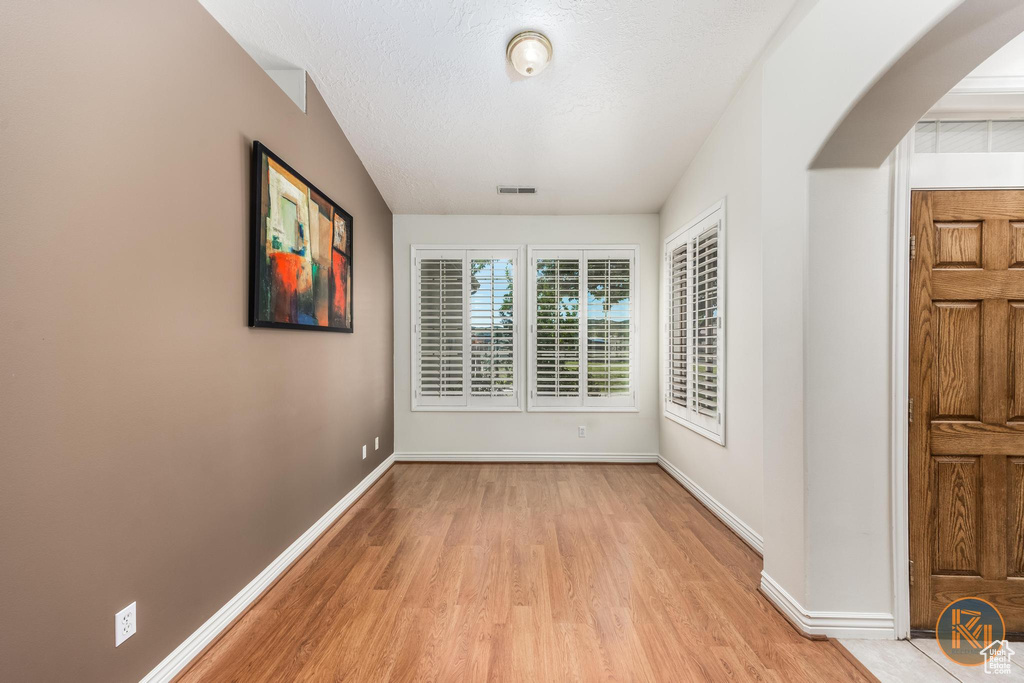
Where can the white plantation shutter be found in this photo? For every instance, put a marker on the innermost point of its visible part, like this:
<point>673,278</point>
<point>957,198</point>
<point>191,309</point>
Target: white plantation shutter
<point>609,328</point>
<point>441,329</point>
<point>557,350</point>
<point>678,295</point>
<point>582,332</point>
<point>464,329</point>
<point>695,344</point>
<point>705,323</point>
<point>492,328</point>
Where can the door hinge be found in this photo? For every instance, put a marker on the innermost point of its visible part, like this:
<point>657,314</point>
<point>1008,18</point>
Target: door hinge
<point>913,247</point>
<point>910,410</point>
<point>911,572</point>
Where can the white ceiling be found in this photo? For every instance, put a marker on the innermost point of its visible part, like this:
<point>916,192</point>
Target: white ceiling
<point>423,92</point>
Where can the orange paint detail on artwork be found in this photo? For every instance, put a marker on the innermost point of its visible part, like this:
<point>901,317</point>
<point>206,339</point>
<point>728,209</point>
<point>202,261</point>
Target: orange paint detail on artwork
<point>339,274</point>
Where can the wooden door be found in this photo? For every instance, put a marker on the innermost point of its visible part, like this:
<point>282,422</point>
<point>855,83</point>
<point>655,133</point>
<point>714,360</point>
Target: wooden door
<point>967,393</point>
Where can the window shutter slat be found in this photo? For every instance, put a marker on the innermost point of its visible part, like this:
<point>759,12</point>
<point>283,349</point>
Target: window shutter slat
<point>679,338</point>
<point>694,350</point>
<point>557,342</point>
<point>582,339</point>
<point>465,337</point>
<point>492,328</point>
<point>441,333</point>
<point>705,323</point>
<point>609,327</point>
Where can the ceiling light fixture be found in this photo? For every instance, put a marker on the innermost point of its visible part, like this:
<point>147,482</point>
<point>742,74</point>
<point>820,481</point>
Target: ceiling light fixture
<point>529,52</point>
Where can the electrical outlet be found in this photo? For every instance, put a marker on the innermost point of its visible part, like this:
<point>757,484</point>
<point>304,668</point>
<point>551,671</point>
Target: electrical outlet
<point>364,451</point>
<point>124,624</point>
<point>376,443</point>
<point>583,432</point>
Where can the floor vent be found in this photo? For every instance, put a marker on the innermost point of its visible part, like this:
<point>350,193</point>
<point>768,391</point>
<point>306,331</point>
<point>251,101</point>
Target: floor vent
<point>512,189</point>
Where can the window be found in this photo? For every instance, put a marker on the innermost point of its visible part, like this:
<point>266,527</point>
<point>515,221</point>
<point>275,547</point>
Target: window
<point>583,329</point>
<point>695,346</point>
<point>952,137</point>
<point>465,329</point>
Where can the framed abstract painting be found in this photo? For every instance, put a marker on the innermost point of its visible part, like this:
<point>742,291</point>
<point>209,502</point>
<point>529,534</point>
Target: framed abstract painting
<point>300,251</point>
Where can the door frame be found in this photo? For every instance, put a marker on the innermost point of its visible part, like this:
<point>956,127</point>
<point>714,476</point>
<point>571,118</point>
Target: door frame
<point>900,377</point>
<point>901,189</point>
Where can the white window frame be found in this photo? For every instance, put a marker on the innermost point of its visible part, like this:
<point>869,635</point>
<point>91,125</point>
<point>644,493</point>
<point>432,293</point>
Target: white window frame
<point>704,425</point>
<point>584,403</point>
<point>467,402</point>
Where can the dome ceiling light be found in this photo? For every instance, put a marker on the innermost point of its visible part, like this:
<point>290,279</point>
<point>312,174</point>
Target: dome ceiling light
<point>529,52</point>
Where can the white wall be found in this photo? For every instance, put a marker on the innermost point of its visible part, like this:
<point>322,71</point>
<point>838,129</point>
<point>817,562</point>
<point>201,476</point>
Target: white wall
<point>523,432</point>
<point>728,166</point>
<point>824,243</point>
<point>827,307</point>
<point>847,391</point>
<point>811,81</point>
<point>806,461</point>
<point>1008,61</point>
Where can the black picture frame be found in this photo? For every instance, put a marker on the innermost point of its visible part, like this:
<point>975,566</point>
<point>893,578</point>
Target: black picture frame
<point>257,244</point>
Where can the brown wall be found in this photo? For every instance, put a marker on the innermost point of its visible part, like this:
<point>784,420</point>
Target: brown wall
<point>154,448</point>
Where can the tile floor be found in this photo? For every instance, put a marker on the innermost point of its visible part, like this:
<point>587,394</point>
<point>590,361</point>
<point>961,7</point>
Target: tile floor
<point>921,661</point>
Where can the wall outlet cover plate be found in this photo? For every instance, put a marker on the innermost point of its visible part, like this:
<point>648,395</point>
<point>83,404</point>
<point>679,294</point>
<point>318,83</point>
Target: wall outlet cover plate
<point>124,624</point>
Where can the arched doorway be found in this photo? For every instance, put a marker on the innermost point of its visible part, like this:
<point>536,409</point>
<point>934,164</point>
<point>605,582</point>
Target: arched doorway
<point>841,174</point>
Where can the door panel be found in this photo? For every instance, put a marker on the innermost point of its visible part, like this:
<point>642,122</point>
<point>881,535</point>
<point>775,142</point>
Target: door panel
<point>967,377</point>
<point>957,360</point>
<point>1015,486</point>
<point>977,284</point>
<point>1017,244</point>
<point>957,482</point>
<point>958,245</point>
<point>1015,369</point>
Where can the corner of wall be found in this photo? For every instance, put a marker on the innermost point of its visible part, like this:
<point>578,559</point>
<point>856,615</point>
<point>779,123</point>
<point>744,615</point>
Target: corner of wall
<point>293,83</point>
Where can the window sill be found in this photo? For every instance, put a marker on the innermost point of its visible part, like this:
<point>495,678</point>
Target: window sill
<point>706,433</point>
<point>466,409</point>
<point>582,409</point>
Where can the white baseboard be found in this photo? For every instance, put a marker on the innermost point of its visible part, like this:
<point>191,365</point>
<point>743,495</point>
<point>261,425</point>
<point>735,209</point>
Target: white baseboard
<point>739,527</point>
<point>878,625</point>
<point>528,457</point>
<point>175,662</point>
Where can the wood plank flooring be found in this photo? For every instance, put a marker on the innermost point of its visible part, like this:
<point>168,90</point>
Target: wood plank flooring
<point>521,572</point>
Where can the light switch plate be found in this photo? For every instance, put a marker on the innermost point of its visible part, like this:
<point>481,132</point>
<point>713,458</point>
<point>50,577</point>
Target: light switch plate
<point>364,451</point>
<point>376,443</point>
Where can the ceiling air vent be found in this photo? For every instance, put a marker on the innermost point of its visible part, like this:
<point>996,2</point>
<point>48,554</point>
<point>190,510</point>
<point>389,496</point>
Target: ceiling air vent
<point>512,189</point>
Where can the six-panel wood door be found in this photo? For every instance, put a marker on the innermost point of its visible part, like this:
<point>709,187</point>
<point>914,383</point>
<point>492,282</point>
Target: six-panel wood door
<point>967,393</point>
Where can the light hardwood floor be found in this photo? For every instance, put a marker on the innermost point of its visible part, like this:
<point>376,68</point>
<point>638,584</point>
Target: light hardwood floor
<point>521,572</point>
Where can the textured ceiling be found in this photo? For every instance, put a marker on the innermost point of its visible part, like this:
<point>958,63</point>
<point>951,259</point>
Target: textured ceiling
<point>424,94</point>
